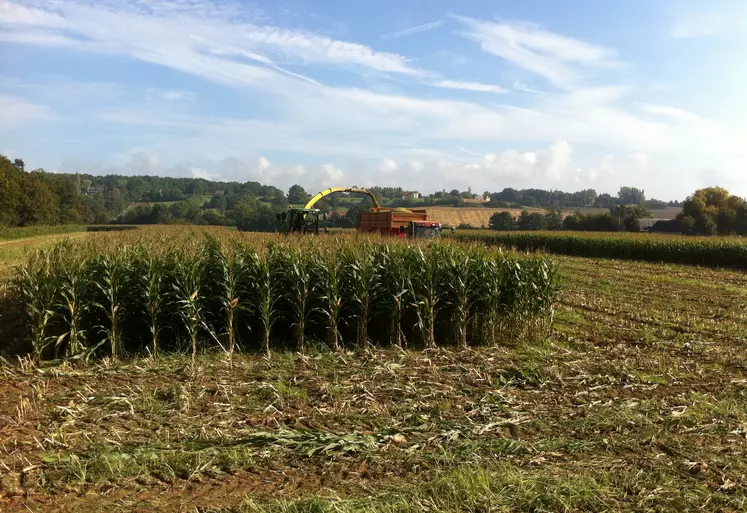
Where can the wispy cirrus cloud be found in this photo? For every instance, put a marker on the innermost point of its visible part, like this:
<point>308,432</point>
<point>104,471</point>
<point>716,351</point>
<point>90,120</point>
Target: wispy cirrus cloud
<point>670,112</point>
<point>471,86</point>
<point>14,13</point>
<point>560,59</point>
<point>413,30</point>
<point>170,94</point>
<point>709,24</point>
<point>17,111</point>
<point>124,29</point>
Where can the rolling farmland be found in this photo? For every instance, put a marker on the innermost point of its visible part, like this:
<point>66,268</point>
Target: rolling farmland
<point>480,216</point>
<point>474,216</point>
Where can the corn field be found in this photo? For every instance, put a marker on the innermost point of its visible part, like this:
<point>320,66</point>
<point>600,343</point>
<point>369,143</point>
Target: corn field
<point>729,252</point>
<point>145,292</point>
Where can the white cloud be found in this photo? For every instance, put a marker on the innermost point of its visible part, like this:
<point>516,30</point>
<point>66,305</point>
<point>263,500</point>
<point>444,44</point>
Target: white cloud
<point>670,112</point>
<point>413,30</point>
<point>520,86</point>
<point>491,171</point>
<point>554,161</point>
<point>13,13</point>
<point>182,39</point>
<point>143,163</point>
<point>17,111</point>
<point>332,176</point>
<point>640,159</point>
<point>388,166</point>
<point>202,173</point>
<point>558,58</point>
<point>471,86</point>
<point>698,26</point>
<point>170,94</point>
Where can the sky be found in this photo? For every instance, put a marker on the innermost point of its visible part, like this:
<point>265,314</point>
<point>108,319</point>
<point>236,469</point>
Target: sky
<point>423,94</point>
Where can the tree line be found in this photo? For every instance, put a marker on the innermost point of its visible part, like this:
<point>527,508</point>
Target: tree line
<point>37,197</point>
<point>708,211</point>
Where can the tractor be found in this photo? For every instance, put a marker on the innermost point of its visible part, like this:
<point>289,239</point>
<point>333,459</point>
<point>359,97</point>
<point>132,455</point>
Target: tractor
<point>397,222</point>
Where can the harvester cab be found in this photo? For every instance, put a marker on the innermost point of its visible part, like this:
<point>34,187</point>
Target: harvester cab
<point>301,220</point>
<point>421,230</point>
<point>426,230</point>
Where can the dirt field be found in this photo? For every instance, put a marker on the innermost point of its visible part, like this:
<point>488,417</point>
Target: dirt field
<point>475,216</point>
<point>480,216</point>
<point>637,403</point>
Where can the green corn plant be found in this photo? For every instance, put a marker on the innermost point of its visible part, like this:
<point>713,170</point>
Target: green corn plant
<point>72,304</point>
<point>298,283</point>
<point>487,290</point>
<point>186,290</point>
<point>459,268</point>
<point>111,281</point>
<point>229,273</point>
<point>328,288</point>
<point>34,285</point>
<point>153,294</point>
<point>391,290</point>
<point>424,281</point>
<point>359,283</point>
<point>72,299</point>
<point>264,270</point>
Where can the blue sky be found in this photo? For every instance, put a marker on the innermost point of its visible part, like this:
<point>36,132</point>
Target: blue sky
<point>426,94</point>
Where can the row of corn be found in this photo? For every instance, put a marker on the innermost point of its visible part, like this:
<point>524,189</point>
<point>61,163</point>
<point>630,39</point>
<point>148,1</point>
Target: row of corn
<point>117,295</point>
<point>728,252</point>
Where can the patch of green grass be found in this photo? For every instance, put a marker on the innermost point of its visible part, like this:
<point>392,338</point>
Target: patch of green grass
<point>8,234</point>
<point>508,488</point>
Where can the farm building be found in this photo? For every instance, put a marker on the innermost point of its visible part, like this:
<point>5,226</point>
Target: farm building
<point>408,195</point>
<point>647,224</point>
<point>665,226</point>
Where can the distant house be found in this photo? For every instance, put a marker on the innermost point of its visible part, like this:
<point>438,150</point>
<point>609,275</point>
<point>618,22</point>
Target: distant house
<point>94,190</point>
<point>646,224</point>
<point>476,200</point>
<point>665,226</point>
<point>408,195</point>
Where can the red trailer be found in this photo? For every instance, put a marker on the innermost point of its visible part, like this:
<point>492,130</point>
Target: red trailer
<point>399,223</point>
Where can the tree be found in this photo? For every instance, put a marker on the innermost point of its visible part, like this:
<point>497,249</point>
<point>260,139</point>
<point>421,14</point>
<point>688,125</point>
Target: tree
<point>280,202</point>
<point>533,221</point>
<point>38,205</point>
<point>632,224</point>
<point>297,195</point>
<point>135,188</point>
<point>687,224</point>
<point>604,201</point>
<point>655,204</point>
<point>161,215</point>
<point>713,210</point>
<point>623,212</point>
<point>631,196</point>
<point>554,219</point>
<point>196,188</point>
<point>10,192</point>
<point>605,222</point>
<point>19,165</point>
<point>219,202</point>
<point>502,221</point>
<point>323,205</point>
<point>705,225</point>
